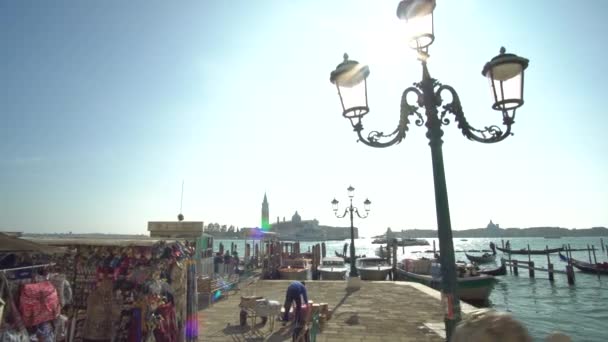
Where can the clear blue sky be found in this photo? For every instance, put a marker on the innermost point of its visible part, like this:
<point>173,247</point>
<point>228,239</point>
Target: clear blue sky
<point>106,106</point>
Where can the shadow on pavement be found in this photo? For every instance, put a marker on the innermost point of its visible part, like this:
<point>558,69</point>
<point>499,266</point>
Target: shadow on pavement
<point>348,293</point>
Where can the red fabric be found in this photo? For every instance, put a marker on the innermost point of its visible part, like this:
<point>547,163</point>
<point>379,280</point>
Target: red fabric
<point>166,331</point>
<point>38,303</point>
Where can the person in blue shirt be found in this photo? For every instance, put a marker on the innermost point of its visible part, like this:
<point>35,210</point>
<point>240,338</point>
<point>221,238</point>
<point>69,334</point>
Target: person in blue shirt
<point>296,291</point>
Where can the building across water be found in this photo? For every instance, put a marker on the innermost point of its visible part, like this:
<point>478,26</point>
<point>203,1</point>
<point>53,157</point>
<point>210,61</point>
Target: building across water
<point>302,230</point>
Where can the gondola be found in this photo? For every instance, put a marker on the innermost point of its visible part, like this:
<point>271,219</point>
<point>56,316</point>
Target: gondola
<point>601,268</point>
<point>525,251</point>
<point>499,271</point>
<point>481,259</point>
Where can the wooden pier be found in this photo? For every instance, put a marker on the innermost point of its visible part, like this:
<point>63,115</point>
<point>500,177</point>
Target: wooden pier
<point>515,265</point>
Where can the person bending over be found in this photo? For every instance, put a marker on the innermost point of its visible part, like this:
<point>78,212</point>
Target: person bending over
<point>296,291</point>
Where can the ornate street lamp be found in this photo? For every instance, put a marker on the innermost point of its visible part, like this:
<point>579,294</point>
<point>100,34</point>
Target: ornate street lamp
<point>506,75</point>
<point>352,210</point>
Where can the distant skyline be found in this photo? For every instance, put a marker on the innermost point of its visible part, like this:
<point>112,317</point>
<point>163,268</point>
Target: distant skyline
<point>106,107</point>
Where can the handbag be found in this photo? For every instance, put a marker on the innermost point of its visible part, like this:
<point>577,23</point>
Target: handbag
<point>38,303</point>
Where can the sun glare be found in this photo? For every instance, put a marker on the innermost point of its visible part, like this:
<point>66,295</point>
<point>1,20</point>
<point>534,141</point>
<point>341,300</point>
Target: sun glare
<point>386,43</point>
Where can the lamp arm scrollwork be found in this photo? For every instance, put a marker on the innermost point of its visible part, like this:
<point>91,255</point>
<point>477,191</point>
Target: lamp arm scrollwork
<point>343,215</point>
<point>357,212</point>
<point>374,137</point>
<point>490,134</point>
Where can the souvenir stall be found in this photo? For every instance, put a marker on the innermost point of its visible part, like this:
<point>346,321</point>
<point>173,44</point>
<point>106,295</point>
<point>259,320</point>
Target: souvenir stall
<point>33,292</point>
<point>129,290</point>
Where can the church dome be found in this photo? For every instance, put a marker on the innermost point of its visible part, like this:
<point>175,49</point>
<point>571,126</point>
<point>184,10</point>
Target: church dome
<point>296,218</point>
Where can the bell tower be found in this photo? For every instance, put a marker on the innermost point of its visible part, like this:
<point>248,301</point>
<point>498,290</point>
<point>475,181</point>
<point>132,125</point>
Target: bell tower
<point>265,214</point>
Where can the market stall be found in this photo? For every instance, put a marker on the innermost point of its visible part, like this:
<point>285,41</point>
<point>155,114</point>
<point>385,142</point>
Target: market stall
<point>120,290</point>
<point>28,274</point>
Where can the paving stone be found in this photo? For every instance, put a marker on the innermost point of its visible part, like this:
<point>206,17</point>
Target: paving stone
<point>378,311</point>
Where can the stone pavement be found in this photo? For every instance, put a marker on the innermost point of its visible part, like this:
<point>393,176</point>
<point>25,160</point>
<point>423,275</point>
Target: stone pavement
<point>378,311</point>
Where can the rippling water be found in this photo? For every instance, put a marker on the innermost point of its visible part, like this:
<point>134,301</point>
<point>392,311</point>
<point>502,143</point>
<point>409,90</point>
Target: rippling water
<point>579,311</point>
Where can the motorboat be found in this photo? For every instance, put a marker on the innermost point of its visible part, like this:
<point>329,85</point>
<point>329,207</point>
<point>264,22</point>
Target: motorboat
<point>294,269</point>
<point>373,268</point>
<point>332,268</point>
<point>472,286</point>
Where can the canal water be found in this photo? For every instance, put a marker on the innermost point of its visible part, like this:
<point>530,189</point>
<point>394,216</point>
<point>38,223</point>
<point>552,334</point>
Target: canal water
<point>581,310</point>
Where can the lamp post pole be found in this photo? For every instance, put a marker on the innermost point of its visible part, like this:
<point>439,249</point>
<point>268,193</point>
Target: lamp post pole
<point>353,269</point>
<point>352,211</point>
<point>506,75</point>
<point>442,208</point>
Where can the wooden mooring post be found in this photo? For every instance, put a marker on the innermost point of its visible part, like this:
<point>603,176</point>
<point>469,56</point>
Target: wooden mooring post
<point>569,267</point>
<point>531,269</point>
<point>570,274</point>
<point>531,264</point>
<point>595,260</point>
<point>394,271</point>
<point>549,266</point>
<point>316,261</point>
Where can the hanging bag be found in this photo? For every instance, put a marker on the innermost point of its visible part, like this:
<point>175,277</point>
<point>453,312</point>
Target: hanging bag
<point>38,303</point>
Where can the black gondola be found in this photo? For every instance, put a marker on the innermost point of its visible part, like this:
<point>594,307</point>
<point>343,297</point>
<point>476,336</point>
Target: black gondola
<point>601,268</point>
<point>525,251</point>
<point>481,259</point>
<point>498,271</point>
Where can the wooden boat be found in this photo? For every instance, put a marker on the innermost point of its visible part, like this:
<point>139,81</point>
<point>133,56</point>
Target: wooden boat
<point>481,259</point>
<point>525,251</point>
<point>294,269</point>
<point>372,268</point>
<point>332,268</point>
<point>472,287</point>
<point>601,268</point>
